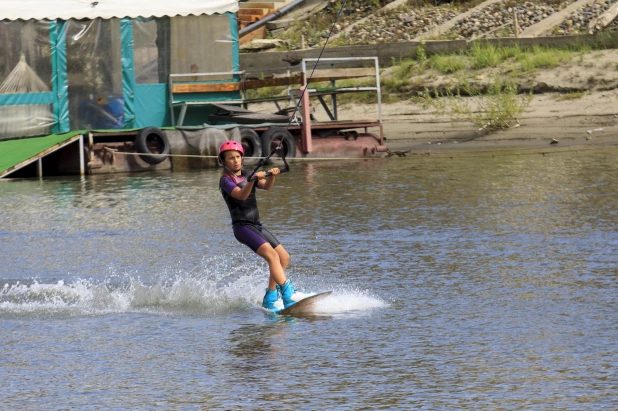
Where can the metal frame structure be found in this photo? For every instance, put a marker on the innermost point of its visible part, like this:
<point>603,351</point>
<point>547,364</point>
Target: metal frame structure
<point>333,115</point>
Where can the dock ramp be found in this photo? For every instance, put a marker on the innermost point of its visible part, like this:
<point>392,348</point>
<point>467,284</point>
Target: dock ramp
<point>28,155</point>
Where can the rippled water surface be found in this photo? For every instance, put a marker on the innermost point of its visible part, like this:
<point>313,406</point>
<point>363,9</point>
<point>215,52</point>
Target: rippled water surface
<point>466,283</point>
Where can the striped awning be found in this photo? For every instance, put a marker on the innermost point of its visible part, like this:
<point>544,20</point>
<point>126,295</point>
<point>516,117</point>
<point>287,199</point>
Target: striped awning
<point>91,9</point>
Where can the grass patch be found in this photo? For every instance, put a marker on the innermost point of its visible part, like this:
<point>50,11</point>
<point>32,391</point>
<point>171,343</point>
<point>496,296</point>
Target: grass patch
<point>543,58</point>
<point>406,68</point>
<point>497,105</point>
<point>449,64</point>
<point>574,95</point>
<point>486,55</point>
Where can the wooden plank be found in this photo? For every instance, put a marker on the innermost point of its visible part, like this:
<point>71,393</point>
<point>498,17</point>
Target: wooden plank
<point>205,88</point>
<point>295,79</point>
<point>545,26</point>
<point>255,34</point>
<point>604,19</point>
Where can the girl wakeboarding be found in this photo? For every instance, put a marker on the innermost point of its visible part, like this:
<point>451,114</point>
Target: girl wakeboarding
<point>238,187</point>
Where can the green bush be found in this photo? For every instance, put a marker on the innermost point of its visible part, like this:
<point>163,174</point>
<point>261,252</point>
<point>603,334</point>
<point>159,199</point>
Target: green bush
<point>496,105</point>
<point>449,64</point>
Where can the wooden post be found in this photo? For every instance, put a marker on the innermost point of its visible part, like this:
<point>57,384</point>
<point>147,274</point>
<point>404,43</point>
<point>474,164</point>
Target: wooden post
<point>306,115</point>
<point>333,96</point>
<point>82,164</point>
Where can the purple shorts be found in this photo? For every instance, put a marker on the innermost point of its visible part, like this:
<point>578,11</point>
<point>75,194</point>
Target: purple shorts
<point>253,236</point>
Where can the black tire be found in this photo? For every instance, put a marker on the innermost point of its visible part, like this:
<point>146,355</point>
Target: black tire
<point>251,143</point>
<point>150,138</point>
<point>271,139</point>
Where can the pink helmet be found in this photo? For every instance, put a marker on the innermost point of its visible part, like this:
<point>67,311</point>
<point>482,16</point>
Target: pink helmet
<point>229,146</point>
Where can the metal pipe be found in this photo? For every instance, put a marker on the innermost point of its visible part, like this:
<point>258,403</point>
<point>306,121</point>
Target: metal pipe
<point>273,16</point>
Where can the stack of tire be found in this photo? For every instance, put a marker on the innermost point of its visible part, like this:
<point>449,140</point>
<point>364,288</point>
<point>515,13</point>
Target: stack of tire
<point>257,146</point>
<point>155,146</point>
<point>153,143</point>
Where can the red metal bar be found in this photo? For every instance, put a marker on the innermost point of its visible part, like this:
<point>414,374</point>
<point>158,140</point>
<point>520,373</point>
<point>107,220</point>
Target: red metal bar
<point>306,114</point>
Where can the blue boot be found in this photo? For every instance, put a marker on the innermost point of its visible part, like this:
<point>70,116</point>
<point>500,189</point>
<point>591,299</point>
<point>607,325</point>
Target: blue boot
<point>287,291</point>
<point>296,295</point>
<point>270,298</point>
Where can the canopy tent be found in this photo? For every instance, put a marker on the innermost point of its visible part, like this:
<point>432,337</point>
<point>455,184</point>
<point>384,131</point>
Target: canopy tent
<point>105,64</point>
<point>106,9</point>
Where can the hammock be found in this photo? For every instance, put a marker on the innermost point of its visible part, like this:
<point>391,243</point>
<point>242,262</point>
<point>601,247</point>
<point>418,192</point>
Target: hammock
<point>26,119</point>
<point>23,79</point>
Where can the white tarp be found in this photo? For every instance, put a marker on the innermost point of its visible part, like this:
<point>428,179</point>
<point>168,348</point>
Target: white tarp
<point>91,9</point>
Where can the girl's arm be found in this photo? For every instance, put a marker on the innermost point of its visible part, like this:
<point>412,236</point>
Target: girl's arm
<point>269,182</point>
<point>242,193</point>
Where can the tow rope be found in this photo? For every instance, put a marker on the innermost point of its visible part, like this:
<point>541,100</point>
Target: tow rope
<point>265,159</point>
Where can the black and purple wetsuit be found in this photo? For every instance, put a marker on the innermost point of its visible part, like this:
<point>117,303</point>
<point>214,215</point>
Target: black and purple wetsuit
<point>245,215</point>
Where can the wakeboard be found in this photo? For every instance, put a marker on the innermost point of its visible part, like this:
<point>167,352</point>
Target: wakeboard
<point>304,306</point>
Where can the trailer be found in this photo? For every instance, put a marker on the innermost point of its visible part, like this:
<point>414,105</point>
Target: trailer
<point>150,88</point>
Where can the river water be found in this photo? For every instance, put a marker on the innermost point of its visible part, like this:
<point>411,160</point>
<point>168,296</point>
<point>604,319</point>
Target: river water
<point>484,283</point>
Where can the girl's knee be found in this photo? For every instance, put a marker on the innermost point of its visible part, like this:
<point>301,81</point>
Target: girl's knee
<point>268,253</point>
<point>285,257</point>
<point>283,254</point>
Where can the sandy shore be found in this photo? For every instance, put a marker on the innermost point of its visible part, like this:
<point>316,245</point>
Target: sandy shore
<point>589,121</point>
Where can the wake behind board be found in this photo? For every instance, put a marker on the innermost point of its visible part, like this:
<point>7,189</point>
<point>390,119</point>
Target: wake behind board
<point>305,305</point>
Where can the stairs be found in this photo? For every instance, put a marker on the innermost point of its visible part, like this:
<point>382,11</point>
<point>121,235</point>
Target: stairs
<point>253,10</point>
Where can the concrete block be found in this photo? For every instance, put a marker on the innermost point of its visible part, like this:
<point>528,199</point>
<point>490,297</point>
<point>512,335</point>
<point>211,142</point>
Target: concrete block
<point>279,24</point>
